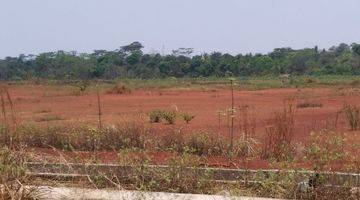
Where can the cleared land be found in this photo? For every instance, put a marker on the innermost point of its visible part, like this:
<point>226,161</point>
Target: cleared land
<point>310,124</point>
<point>316,109</point>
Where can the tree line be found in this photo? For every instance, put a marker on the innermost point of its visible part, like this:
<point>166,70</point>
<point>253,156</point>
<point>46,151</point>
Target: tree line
<point>131,62</point>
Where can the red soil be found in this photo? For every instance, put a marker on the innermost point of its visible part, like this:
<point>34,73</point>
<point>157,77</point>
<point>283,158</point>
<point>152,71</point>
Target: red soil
<point>33,102</point>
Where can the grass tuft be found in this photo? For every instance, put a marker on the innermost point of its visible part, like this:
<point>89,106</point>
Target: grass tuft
<point>352,113</point>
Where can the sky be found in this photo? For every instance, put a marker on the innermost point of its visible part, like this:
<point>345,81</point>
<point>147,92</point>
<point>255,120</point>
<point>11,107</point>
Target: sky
<point>229,26</point>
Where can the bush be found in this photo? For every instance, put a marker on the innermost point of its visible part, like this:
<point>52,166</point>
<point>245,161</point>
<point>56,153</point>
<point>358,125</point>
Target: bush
<point>199,144</point>
<point>187,117</point>
<point>172,141</point>
<point>169,116</point>
<point>156,116</point>
<point>204,144</point>
<point>324,148</point>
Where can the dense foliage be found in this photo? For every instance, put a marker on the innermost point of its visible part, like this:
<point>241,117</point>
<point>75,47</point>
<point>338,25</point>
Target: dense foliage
<point>131,62</point>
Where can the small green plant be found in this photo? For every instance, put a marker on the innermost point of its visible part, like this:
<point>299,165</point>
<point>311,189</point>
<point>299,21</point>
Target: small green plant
<point>156,116</point>
<point>352,113</point>
<point>187,117</point>
<point>169,116</point>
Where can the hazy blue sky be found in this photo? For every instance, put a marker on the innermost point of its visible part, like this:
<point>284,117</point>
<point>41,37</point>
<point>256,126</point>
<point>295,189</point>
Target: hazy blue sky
<point>234,26</point>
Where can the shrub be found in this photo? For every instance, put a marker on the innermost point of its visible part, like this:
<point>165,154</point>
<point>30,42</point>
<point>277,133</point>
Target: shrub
<point>174,141</point>
<point>205,143</point>
<point>324,148</point>
<point>187,117</point>
<point>352,113</point>
<point>156,115</point>
<point>199,144</point>
<point>169,116</point>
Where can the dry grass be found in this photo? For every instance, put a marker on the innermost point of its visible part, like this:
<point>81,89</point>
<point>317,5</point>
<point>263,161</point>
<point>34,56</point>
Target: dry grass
<point>12,177</point>
<point>246,145</point>
<point>352,113</point>
<point>119,88</point>
<point>49,118</point>
<point>279,139</point>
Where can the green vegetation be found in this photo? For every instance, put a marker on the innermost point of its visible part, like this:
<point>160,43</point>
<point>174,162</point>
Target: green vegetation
<point>326,148</point>
<point>187,117</point>
<point>131,62</point>
<point>169,116</point>
<point>157,115</point>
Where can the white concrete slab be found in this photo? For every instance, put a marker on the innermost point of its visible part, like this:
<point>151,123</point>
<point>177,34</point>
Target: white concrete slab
<point>57,193</point>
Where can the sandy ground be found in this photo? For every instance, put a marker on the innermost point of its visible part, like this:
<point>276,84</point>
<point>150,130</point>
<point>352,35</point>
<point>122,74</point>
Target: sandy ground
<point>78,193</point>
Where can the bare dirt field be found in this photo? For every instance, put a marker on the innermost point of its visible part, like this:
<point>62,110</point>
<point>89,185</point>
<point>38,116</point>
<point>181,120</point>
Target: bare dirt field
<point>34,103</point>
<point>47,105</point>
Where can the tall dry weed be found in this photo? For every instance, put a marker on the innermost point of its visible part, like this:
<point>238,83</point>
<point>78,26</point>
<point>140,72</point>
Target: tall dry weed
<point>279,134</point>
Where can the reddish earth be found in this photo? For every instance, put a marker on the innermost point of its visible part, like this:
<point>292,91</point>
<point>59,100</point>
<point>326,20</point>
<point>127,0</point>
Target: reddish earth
<point>32,102</point>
